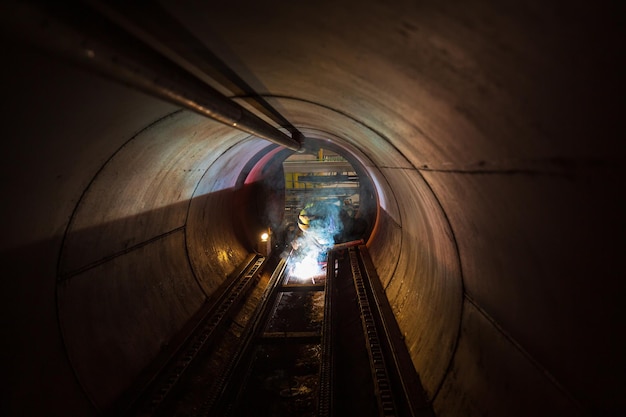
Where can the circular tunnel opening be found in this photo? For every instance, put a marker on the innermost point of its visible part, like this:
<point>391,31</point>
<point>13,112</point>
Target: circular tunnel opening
<point>323,192</point>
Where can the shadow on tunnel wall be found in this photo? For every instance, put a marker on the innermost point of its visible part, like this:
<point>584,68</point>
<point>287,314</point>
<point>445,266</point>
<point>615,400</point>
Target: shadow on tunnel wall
<point>131,297</point>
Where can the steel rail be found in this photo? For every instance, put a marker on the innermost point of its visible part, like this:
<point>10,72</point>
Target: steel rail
<point>408,382</point>
<point>325,396</point>
<point>210,323</point>
<point>213,405</point>
<point>380,373</point>
<point>86,38</point>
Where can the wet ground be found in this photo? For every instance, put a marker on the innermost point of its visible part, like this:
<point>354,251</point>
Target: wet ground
<point>283,379</point>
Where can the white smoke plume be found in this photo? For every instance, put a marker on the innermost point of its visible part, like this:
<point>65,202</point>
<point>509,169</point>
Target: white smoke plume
<point>323,223</point>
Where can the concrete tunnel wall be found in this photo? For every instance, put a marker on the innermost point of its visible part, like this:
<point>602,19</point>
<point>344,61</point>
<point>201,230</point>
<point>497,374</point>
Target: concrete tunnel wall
<point>487,127</point>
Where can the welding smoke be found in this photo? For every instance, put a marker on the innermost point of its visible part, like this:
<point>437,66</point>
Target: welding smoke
<point>320,223</point>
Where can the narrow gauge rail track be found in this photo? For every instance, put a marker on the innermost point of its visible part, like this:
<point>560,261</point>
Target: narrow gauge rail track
<point>397,387</point>
<point>276,367</point>
<point>329,347</point>
<point>207,330</point>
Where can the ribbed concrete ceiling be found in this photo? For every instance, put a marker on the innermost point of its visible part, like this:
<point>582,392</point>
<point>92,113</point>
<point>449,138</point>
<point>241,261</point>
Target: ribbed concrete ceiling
<point>487,129</point>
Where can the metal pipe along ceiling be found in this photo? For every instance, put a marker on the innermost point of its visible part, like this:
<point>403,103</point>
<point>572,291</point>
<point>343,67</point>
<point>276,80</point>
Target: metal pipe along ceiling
<point>90,41</point>
<point>488,131</point>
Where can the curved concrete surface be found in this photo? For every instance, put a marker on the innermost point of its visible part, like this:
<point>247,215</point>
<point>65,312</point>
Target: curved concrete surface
<point>488,130</point>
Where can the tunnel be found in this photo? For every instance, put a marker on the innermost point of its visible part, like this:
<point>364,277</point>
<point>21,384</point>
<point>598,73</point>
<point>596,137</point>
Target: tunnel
<point>487,130</point>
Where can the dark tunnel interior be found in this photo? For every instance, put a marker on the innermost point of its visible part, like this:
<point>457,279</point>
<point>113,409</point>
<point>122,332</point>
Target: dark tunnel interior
<point>485,136</point>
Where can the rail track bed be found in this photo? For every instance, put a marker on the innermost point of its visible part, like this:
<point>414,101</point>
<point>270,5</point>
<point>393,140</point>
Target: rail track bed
<point>274,345</point>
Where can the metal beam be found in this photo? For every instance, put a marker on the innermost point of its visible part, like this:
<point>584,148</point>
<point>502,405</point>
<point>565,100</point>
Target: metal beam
<point>291,337</point>
<point>151,23</point>
<point>317,166</point>
<point>301,287</point>
<point>82,36</point>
